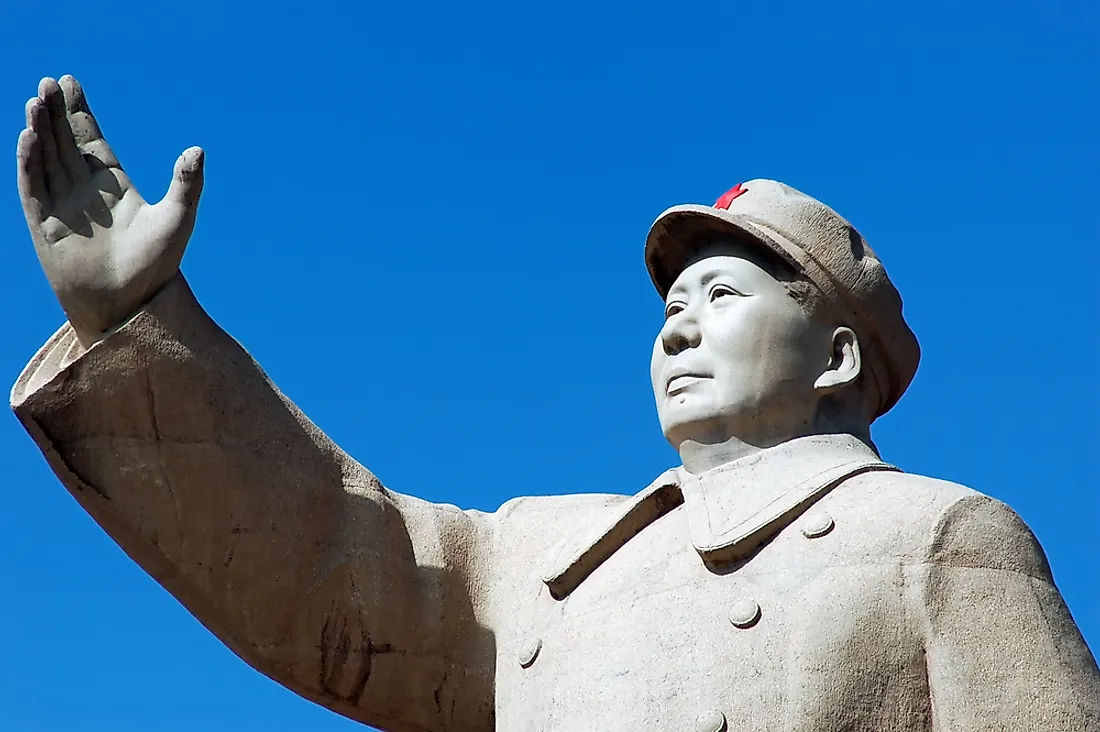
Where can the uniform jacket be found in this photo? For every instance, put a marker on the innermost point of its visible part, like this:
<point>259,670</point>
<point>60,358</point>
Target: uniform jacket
<point>810,587</point>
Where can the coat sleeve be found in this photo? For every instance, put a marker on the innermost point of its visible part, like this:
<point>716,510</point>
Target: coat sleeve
<point>1003,652</point>
<point>172,438</point>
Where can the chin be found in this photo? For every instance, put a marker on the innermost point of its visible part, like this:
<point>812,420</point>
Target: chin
<point>697,422</point>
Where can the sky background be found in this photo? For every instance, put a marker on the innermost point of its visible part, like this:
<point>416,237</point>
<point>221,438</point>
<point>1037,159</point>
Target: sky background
<point>426,221</point>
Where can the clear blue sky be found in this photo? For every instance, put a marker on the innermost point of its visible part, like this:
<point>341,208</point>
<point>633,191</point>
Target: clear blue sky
<point>426,221</point>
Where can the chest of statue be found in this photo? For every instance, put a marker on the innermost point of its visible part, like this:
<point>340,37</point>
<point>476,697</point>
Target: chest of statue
<point>803,635</point>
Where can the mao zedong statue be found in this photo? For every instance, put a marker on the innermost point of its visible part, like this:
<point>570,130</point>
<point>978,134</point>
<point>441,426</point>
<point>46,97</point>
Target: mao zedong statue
<point>783,578</point>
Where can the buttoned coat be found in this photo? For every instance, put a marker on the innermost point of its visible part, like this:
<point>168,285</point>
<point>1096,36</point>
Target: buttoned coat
<point>810,587</point>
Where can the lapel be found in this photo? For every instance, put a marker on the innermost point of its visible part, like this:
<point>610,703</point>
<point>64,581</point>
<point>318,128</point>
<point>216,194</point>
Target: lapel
<point>579,555</point>
<point>732,510</point>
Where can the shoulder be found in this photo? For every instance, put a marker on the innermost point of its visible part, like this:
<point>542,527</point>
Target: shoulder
<point>941,522</point>
<point>981,532</point>
<point>563,510</point>
<point>533,526</point>
<point>895,496</point>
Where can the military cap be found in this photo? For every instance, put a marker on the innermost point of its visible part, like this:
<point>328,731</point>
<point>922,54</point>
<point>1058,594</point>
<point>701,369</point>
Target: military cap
<point>821,246</point>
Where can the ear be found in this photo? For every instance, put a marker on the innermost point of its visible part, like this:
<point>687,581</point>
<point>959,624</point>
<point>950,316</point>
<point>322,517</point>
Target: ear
<point>845,364</point>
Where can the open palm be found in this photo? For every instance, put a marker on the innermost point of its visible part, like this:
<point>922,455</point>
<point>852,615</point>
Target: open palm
<point>105,250</point>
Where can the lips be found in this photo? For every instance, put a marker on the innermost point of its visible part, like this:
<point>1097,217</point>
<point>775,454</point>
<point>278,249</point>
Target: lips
<point>680,379</point>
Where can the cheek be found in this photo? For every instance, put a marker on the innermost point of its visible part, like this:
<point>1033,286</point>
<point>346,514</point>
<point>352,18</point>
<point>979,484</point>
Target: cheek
<point>763,344</point>
<point>656,363</point>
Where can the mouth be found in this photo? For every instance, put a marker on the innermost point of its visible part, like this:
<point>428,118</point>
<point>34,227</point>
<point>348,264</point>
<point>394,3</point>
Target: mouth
<point>679,380</point>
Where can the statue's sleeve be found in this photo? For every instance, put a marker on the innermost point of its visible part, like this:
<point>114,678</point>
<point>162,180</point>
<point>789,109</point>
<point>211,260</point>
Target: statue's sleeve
<point>1003,652</point>
<point>173,439</point>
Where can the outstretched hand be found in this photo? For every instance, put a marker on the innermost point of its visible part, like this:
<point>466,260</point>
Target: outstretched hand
<point>104,249</point>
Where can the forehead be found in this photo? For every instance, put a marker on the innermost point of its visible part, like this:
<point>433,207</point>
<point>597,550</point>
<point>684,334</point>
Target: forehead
<point>727,256</point>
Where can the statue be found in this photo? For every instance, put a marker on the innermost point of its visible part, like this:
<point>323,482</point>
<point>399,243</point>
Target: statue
<point>784,577</point>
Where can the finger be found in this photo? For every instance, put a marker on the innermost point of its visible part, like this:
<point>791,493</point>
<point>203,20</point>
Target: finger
<point>32,178</point>
<point>89,138</point>
<point>187,178</point>
<point>98,155</point>
<point>67,151</point>
<point>83,122</point>
<point>38,121</point>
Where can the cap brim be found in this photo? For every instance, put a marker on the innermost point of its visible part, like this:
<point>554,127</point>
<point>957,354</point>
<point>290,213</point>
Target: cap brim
<point>678,233</point>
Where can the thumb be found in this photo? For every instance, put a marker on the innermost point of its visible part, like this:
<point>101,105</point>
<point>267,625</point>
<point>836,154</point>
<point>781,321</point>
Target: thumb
<point>187,178</point>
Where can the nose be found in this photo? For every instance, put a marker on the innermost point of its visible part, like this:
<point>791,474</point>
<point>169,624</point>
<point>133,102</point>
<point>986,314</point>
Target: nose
<point>680,332</point>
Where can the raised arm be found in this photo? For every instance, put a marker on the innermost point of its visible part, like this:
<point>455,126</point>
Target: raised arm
<point>176,443</point>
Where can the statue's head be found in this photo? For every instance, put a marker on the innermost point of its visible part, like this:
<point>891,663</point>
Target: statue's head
<point>780,321</point>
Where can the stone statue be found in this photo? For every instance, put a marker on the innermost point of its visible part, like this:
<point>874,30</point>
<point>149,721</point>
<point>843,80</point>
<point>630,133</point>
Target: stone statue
<point>783,578</point>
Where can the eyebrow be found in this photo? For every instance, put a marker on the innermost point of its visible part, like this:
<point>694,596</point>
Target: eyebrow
<point>705,280</point>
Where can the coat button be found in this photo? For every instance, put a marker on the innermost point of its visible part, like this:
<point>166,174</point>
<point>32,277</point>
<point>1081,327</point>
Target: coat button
<point>529,652</point>
<point>745,613</point>
<point>712,721</point>
<point>817,523</point>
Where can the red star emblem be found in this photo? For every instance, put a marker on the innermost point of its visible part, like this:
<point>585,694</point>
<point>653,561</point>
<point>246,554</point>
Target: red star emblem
<point>726,198</point>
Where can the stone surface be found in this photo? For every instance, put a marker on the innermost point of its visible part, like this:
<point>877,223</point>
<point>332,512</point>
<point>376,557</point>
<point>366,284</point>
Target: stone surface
<point>783,578</point>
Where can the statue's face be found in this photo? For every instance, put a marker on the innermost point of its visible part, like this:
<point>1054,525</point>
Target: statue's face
<point>737,356</point>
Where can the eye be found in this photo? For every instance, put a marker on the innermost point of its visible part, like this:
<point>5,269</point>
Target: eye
<point>722,291</point>
<point>672,308</point>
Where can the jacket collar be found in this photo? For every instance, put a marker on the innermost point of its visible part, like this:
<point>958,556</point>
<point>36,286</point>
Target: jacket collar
<point>731,510</point>
<point>734,509</point>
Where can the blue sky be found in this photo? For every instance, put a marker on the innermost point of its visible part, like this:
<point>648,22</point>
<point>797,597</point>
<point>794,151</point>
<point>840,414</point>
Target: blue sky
<point>426,221</point>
